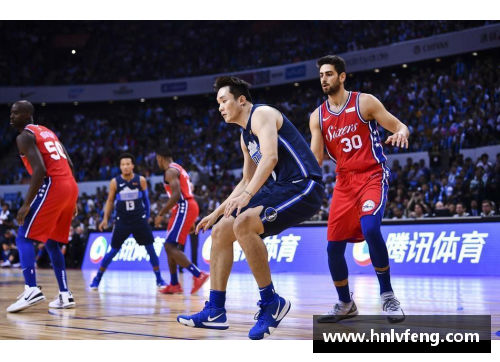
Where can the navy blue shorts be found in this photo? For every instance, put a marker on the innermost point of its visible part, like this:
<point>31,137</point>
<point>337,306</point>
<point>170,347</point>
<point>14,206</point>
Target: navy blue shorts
<point>140,230</point>
<point>286,205</point>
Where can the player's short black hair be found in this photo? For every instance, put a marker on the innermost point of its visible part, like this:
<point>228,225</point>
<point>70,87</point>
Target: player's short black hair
<point>164,151</point>
<point>127,155</point>
<point>237,87</point>
<point>337,62</point>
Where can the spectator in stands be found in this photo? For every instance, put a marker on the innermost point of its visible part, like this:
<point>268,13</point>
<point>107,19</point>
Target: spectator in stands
<point>398,213</point>
<point>487,207</point>
<point>474,208</point>
<point>10,254</point>
<point>461,210</point>
<point>419,212</point>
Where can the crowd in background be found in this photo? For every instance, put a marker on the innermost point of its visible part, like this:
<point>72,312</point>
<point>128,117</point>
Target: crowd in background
<point>128,51</point>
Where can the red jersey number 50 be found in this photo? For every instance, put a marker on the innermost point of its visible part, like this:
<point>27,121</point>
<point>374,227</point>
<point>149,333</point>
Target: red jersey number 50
<point>55,149</point>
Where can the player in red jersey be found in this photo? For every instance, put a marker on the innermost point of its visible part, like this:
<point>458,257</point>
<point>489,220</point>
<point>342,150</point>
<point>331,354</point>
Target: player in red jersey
<point>346,124</point>
<point>184,214</point>
<point>48,208</point>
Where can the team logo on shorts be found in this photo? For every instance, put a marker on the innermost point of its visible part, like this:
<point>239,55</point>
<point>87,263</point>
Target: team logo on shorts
<point>368,205</point>
<point>271,214</point>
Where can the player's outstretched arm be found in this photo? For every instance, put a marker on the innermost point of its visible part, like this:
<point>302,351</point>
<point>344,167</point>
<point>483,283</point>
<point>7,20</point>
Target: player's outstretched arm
<point>317,144</point>
<point>249,168</point>
<point>172,177</point>
<point>264,126</point>
<point>27,147</point>
<point>371,108</point>
<point>108,208</point>
<point>145,196</point>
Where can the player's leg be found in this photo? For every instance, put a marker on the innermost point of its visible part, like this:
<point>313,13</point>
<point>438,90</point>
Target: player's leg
<point>371,210</point>
<point>32,294</point>
<point>144,236</point>
<point>121,232</point>
<point>65,298</point>
<point>345,308</point>
<point>213,316</point>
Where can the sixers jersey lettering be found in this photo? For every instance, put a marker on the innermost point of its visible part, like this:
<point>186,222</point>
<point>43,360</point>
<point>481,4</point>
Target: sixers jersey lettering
<point>186,192</point>
<point>128,203</point>
<point>54,157</point>
<point>351,142</point>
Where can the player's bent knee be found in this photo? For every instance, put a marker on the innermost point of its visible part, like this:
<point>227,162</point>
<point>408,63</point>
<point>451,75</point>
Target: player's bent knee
<point>247,223</point>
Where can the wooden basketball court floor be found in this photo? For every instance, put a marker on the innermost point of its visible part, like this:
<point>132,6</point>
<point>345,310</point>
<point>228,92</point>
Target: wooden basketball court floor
<point>127,305</point>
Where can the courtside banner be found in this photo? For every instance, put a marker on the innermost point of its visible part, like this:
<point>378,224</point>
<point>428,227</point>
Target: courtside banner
<point>416,334</point>
<point>414,249</point>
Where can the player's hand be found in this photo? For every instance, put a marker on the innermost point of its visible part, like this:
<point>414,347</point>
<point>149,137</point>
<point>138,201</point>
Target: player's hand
<point>103,225</point>
<point>158,220</point>
<point>21,214</point>
<point>237,203</point>
<point>398,139</point>
<point>206,223</point>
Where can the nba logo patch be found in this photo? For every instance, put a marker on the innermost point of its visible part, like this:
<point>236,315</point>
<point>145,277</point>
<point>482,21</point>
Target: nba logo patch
<point>368,205</point>
<point>270,214</point>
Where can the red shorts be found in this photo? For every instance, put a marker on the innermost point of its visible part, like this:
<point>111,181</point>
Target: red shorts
<point>51,211</point>
<point>183,217</point>
<point>356,195</point>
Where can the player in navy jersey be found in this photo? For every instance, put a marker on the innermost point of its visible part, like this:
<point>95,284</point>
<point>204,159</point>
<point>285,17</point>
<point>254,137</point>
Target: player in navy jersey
<point>281,187</point>
<point>129,192</point>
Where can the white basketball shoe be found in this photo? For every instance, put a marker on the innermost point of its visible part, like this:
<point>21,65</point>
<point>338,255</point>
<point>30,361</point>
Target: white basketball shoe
<point>64,300</point>
<point>30,297</point>
<point>391,305</point>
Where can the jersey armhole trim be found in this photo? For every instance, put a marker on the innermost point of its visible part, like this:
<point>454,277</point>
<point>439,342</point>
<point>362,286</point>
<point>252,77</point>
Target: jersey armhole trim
<point>358,110</point>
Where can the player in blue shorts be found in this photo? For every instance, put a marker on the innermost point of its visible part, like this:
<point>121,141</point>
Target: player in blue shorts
<point>129,192</point>
<point>280,188</point>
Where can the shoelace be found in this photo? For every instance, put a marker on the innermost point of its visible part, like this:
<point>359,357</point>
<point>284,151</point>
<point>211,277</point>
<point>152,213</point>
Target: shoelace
<point>392,304</point>
<point>261,315</point>
<point>335,310</point>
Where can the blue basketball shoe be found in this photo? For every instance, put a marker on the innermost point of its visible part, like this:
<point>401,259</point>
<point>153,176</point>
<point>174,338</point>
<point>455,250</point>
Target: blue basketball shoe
<point>95,283</point>
<point>269,317</point>
<point>210,317</point>
<point>160,283</point>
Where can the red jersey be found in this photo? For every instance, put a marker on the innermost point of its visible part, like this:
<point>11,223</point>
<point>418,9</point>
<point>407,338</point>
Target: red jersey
<point>54,157</point>
<point>186,192</point>
<point>351,142</point>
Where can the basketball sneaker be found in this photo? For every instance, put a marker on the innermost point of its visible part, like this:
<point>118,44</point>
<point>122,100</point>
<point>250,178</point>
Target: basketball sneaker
<point>391,305</point>
<point>340,311</point>
<point>64,300</point>
<point>172,289</point>
<point>161,284</point>
<point>95,283</point>
<point>269,317</point>
<point>198,282</point>
<point>210,317</point>
<point>30,297</point>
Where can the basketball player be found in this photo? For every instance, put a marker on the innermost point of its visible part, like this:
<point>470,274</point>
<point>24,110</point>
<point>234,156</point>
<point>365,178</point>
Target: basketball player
<point>346,123</point>
<point>184,213</point>
<point>281,187</point>
<point>48,208</point>
<point>129,192</point>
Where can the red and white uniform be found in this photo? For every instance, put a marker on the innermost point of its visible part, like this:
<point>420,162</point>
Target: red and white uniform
<point>185,213</point>
<point>362,176</point>
<point>52,209</point>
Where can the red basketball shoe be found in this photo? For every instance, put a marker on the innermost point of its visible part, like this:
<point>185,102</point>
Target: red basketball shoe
<point>198,282</point>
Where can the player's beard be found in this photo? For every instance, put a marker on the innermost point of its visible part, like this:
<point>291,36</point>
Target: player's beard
<point>334,89</point>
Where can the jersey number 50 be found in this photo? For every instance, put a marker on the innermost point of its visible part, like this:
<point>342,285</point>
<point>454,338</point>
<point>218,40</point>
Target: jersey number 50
<point>353,142</point>
<point>55,149</point>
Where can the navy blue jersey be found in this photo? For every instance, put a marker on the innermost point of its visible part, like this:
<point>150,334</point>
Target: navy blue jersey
<point>129,204</point>
<point>295,159</point>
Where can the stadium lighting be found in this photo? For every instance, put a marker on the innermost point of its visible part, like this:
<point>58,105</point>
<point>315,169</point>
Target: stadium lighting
<point>377,70</point>
<point>474,54</point>
<point>73,51</point>
<point>75,103</point>
<point>176,98</point>
<point>296,84</point>
<point>405,65</point>
<point>143,100</point>
<point>438,60</point>
<point>351,75</point>
<point>44,104</point>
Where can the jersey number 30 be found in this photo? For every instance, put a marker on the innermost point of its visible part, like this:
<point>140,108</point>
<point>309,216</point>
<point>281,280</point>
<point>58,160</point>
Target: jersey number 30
<point>55,149</point>
<point>353,142</point>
